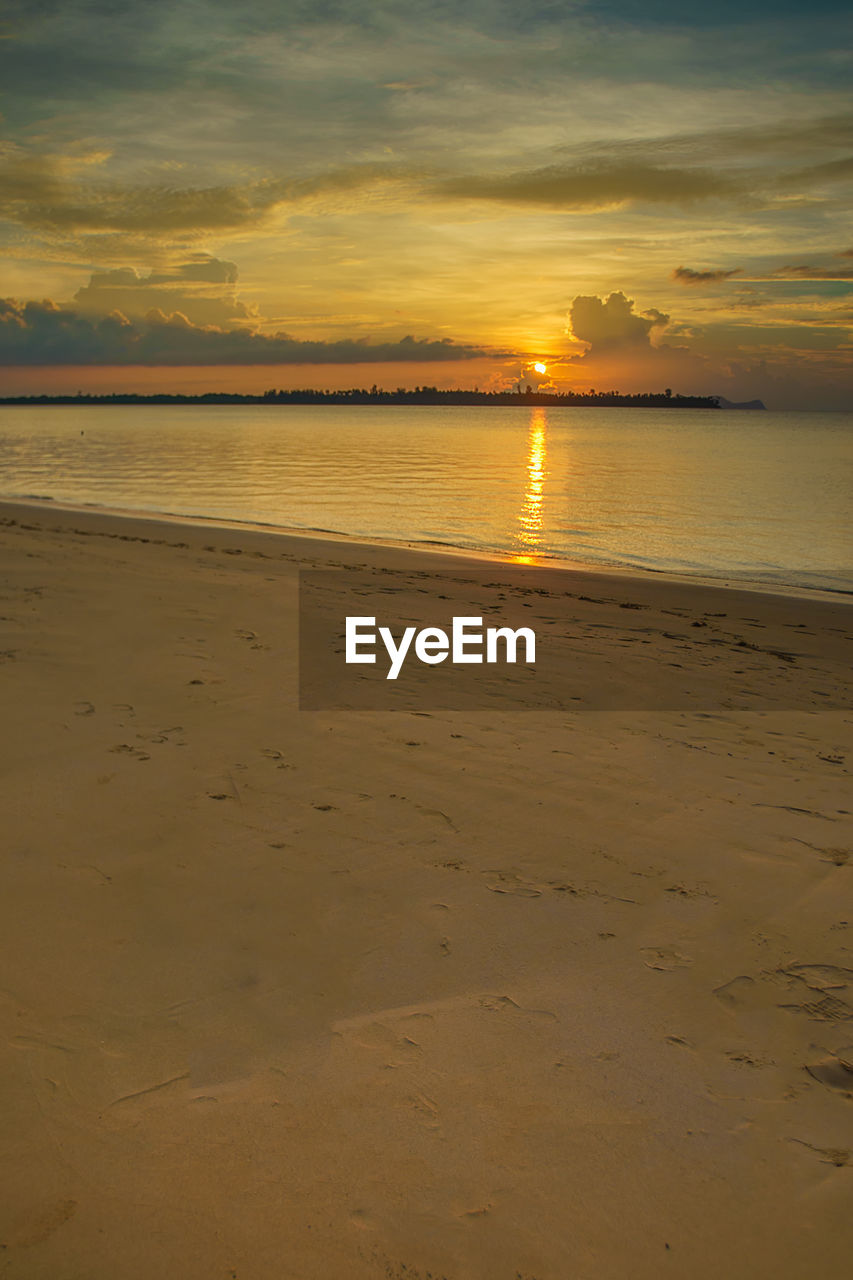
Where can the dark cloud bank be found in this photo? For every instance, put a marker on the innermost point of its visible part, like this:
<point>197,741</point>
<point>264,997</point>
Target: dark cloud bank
<point>42,333</point>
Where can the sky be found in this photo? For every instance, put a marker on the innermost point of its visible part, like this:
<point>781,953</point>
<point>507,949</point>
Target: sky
<point>197,195</point>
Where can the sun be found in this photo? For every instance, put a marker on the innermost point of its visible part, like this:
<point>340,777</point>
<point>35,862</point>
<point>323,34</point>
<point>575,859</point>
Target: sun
<point>541,368</point>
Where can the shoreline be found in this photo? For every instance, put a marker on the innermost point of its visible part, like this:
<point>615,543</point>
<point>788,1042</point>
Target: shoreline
<point>609,640</point>
<point>630,573</point>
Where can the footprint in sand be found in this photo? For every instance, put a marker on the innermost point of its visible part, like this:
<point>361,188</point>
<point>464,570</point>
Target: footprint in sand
<point>839,1156</point>
<point>690,891</point>
<point>740,991</point>
<point>509,882</point>
<point>506,1004</point>
<point>744,1059</point>
<point>835,1071</point>
<point>124,748</point>
<point>827,986</point>
<point>163,735</point>
<point>243,634</point>
<point>664,958</point>
<point>821,992</point>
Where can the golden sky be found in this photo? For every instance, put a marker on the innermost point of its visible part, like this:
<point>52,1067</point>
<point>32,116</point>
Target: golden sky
<point>196,195</point>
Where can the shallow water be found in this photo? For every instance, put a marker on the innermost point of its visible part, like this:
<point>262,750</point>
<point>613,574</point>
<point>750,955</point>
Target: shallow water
<point>757,496</point>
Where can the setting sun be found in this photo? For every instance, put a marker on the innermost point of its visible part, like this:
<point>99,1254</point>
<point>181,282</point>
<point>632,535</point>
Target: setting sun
<point>541,368</point>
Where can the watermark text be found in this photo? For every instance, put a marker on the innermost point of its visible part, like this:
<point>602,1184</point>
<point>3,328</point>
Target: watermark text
<point>468,641</point>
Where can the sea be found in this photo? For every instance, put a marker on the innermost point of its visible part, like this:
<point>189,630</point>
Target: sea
<point>748,496</point>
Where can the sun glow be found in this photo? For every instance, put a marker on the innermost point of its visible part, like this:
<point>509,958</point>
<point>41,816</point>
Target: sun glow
<point>541,368</point>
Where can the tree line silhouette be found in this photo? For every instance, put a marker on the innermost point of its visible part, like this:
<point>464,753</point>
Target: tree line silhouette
<point>402,395</point>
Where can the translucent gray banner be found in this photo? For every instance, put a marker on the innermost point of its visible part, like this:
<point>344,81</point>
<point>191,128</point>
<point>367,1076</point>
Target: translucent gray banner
<point>507,638</point>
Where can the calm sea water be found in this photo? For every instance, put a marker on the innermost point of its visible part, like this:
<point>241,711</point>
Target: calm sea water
<point>757,496</point>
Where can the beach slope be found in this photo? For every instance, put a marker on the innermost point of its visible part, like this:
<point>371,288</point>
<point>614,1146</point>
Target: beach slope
<point>481,995</point>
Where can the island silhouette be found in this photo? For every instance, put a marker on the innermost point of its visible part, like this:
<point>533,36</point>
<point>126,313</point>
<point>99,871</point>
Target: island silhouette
<point>417,395</point>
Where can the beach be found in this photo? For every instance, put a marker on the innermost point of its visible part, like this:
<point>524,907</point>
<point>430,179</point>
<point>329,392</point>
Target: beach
<point>428,995</point>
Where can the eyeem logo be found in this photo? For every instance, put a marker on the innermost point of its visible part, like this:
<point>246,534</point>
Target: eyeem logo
<point>468,642</point>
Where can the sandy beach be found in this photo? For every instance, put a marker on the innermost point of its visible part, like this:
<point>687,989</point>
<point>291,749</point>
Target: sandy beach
<point>439,995</point>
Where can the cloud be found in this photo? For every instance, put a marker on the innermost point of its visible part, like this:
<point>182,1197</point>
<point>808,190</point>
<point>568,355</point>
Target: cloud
<point>601,186</point>
<point>201,288</point>
<point>686,275</point>
<point>74,194</point>
<point>677,169</point>
<point>422,155</point>
<point>779,141</point>
<point>201,267</point>
<point>798,362</point>
<point>70,194</point>
<point>42,333</point>
<point>818,175</point>
<point>530,377</point>
<point>613,324</point>
<point>803,272</point>
<point>47,192</point>
<point>78,192</point>
<point>831,271</point>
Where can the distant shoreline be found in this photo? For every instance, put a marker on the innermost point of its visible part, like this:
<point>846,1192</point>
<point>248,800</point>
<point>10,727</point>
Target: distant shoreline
<point>375,396</point>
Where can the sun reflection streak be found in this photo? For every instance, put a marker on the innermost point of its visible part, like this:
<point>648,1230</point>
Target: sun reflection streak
<point>530,518</point>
